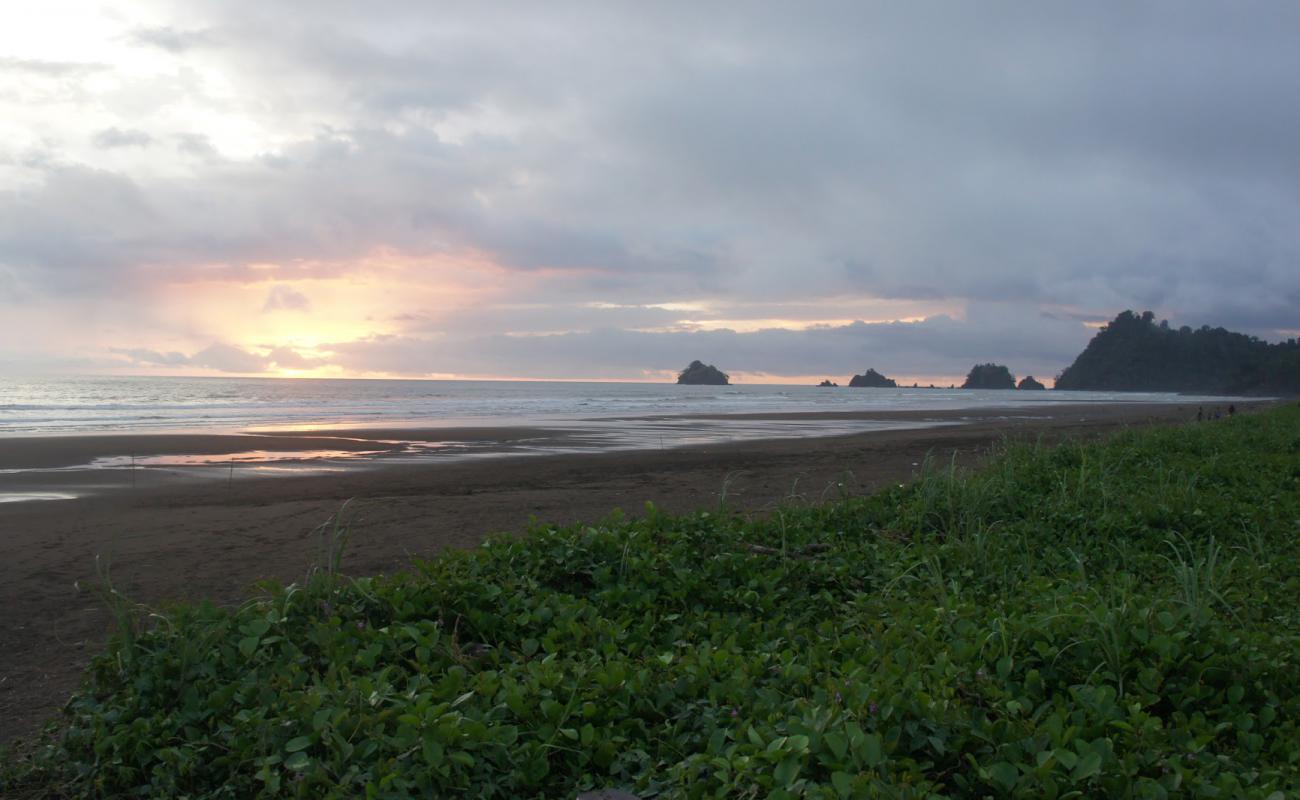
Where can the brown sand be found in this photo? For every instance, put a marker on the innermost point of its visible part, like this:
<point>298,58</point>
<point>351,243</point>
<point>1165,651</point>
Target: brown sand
<point>212,539</point>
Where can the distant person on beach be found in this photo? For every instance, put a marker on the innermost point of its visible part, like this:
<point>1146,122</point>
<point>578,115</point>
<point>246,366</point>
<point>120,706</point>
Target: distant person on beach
<point>1200,414</point>
<point>1232,410</point>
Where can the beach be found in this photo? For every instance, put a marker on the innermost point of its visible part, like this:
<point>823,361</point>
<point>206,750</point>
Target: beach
<point>177,536</point>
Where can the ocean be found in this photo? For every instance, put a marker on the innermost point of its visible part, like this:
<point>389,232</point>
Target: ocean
<point>72,405</point>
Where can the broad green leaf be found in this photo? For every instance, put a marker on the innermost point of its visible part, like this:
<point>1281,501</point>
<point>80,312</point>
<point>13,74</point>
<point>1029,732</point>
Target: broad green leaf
<point>1067,757</point>
<point>463,758</point>
<point>787,771</point>
<point>256,627</point>
<point>1088,766</point>
<point>297,743</point>
<point>871,751</point>
<point>1004,774</point>
<point>837,744</point>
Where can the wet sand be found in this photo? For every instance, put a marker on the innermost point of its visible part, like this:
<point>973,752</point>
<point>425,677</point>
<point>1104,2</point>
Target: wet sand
<point>61,452</point>
<point>189,535</point>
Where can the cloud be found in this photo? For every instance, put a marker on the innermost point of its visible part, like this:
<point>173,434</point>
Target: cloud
<point>288,358</point>
<point>938,345</point>
<point>228,358</point>
<point>116,137</point>
<point>1073,161</point>
<point>286,298</point>
<point>221,357</point>
<point>79,230</point>
<point>196,145</point>
<point>173,40</point>
<point>146,357</point>
<point>49,69</point>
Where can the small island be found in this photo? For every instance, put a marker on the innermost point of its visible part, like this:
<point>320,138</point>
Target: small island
<point>989,376</point>
<point>828,382</point>
<point>700,374</point>
<point>1029,382</point>
<point>873,380</point>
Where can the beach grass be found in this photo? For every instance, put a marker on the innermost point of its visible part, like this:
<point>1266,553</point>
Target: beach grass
<point>1093,619</point>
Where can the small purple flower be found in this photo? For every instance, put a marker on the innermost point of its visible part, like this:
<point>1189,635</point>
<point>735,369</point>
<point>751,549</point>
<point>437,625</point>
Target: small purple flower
<point>361,625</point>
<point>981,674</point>
<point>872,708</point>
<point>839,698</point>
<point>735,713</point>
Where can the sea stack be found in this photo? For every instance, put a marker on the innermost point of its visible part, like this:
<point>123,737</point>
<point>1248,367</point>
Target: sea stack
<point>873,380</point>
<point>1028,382</point>
<point>989,376</point>
<point>700,374</point>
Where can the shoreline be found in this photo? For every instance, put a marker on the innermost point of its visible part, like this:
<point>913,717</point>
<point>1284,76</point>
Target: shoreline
<point>71,451</point>
<point>211,540</point>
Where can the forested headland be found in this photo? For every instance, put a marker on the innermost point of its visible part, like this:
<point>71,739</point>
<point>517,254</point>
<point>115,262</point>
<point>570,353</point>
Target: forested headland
<point>1135,353</point>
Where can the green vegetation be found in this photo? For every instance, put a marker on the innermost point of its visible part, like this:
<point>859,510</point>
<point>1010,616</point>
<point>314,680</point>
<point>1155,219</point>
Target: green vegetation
<point>989,376</point>
<point>1134,353</point>
<point>699,373</point>
<point>1113,619</point>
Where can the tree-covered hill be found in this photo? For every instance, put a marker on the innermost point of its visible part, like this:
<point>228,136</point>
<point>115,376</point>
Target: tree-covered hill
<point>1135,353</point>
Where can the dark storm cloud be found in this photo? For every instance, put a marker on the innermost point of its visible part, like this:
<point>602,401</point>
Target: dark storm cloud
<point>1082,158</point>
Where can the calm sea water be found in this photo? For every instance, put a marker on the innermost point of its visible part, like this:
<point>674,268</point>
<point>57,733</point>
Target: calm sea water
<point>64,405</point>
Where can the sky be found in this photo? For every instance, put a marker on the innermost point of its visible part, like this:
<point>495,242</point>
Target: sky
<point>609,190</point>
